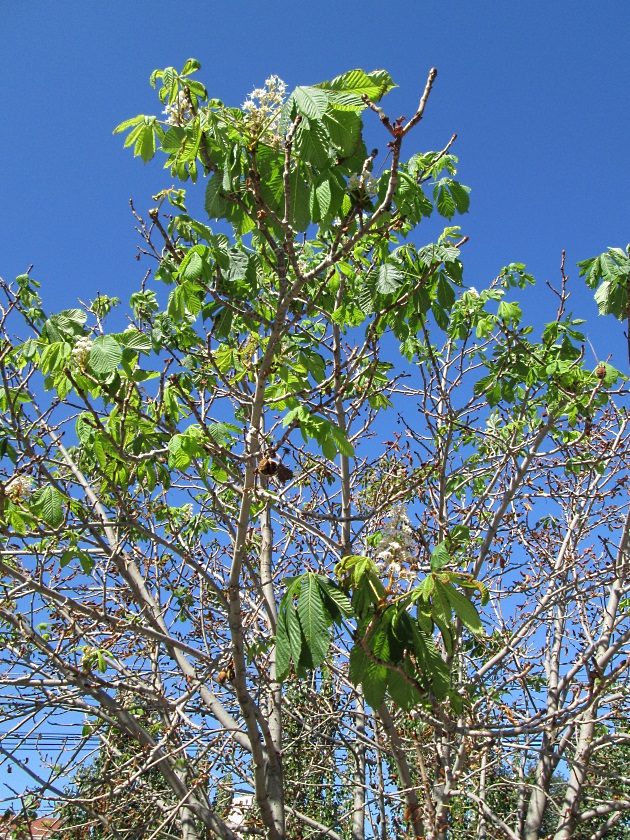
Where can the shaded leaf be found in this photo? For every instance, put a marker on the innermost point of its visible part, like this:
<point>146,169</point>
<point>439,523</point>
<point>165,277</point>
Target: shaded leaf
<point>313,619</point>
<point>332,591</point>
<point>439,558</point>
<point>375,683</point>
<point>464,609</point>
<point>402,691</point>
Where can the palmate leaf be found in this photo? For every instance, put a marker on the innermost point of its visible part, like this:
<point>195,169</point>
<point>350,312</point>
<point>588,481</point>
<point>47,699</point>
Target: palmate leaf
<point>191,66</point>
<point>65,324</point>
<point>300,215</point>
<point>430,663</point>
<point>192,266</point>
<point>128,124</point>
<point>450,197</point>
<point>611,299</point>
<point>145,144</point>
<point>613,270</point>
<point>216,206</point>
<point>341,441</point>
<point>173,140</point>
<point>87,562</point>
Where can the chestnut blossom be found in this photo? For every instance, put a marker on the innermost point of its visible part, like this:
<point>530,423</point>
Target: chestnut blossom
<point>365,183</point>
<point>263,107</point>
<point>81,352</point>
<point>396,551</point>
<point>19,487</point>
<point>178,112</point>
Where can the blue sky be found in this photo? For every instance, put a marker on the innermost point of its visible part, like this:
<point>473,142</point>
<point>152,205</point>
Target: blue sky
<point>536,91</point>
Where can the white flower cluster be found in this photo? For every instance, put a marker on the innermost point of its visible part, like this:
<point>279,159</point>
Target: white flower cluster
<point>178,112</point>
<point>81,352</point>
<point>241,807</point>
<point>396,549</point>
<point>19,487</point>
<point>365,183</point>
<point>263,107</point>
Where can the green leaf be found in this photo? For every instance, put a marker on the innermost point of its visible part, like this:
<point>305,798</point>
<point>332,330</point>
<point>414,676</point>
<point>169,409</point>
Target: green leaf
<point>611,374</point>
<point>389,278</point>
<point>191,66</point>
<point>604,298</point>
<point>283,647</point>
<point>332,591</point>
<point>100,452</point>
<point>300,215</point>
<point>105,356</point>
<point>174,139</point>
<point>375,683</point>
<point>239,264</point>
<point>217,207</point>
<point>439,557</point>
<point>320,199</point>
<point>312,146</point>
<point>358,83</point>
<point>461,195</point>
<point>47,503</point>
<point>379,641</point>
<point>66,324</point>
<point>145,143</point>
<point>181,452</point>
<point>186,298</point>
<point>128,124</point>
<point>464,609</point>
<point>444,201</point>
<point>357,665</point>
<point>329,450</point>
<point>430,662</point>
<point>341,442</point>
<point>192,266</point>
<point>87,562</point>
<point>445,293</point>
<point>402,692</point>
<point>344,128</point>
<point>450,197</point>
<point>134,340</point>
<point>289,616</point>
<point>311,102</point>
<point>313,619</point>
